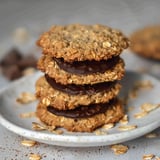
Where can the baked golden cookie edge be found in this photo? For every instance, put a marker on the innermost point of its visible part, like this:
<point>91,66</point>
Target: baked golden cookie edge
<point>63,101</point>
<point>49,66</point>
<point>77,42</point>
<point>112,115</point>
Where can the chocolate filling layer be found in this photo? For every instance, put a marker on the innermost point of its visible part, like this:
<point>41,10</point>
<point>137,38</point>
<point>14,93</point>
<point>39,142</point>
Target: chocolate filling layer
<point>83,111</point>
<point>73,89</point>
<point>87,67</point>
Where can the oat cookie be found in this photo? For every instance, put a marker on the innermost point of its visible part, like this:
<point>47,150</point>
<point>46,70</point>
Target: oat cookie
<point>63,101</point>
<point>111,115</point>
<point>49,66</point>
<point>146,42</point>
<point>77,42</point>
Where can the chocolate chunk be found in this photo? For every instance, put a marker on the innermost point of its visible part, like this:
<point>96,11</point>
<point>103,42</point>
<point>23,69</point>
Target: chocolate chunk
<point>83,111</point>
<point>73,89</point>
<point>87,67</point>
<point>27,61</point>
<point>12,72</point>
<point>14,63</point>
<point>11,58</point>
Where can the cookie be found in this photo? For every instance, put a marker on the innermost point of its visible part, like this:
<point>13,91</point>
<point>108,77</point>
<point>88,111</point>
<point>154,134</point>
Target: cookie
<point>77,42</point>
<point>146,42</point>
<point>81,120</point>
<point>48,65</point>
<point>71,96</point>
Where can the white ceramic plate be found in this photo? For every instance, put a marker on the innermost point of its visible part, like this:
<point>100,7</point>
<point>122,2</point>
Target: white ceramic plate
<point>10,111</point>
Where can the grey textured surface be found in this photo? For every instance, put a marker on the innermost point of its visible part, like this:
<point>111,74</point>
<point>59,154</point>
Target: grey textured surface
<point>37,16</point>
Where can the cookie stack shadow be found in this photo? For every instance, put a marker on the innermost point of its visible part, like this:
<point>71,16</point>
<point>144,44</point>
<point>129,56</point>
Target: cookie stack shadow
<point>82,69</point>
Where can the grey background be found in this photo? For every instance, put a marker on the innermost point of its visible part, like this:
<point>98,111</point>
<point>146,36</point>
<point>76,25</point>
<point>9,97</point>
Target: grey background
<point>38,16</point>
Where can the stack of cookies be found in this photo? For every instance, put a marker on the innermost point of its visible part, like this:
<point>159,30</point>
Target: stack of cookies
<point>82,68</point>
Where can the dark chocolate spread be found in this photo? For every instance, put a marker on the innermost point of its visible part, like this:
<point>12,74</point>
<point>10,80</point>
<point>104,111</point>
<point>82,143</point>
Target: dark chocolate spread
<point>83,111</point>
<point>73,89</point>
<point>87,67</point>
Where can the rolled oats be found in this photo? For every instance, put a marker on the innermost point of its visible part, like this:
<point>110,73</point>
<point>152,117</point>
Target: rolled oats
<point>139,85</point>
<point>143,84</point>
<point>131,108</point>
<point>148,156</point>
<point>149,106</point>
<point>33,156</point>
<point>26,97</point>
<point>140,114</point>
<point>124,119</point>
<point>127,127</point>
<point>58,131</point>
<point>119,149</point>
<point>38,127</point>
<point>151,135</point>
<point>157,158</point>
<point>29,71</point>
<point>21,35</point>
<point>108,126</point>
<point>27,115</point>
<point>28,143</point>
<point>99,132</point>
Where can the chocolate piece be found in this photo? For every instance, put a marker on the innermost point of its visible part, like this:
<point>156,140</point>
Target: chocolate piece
<point>73,89</point>
<point>14,63</point>
<point>87,67</point>
<point>83,111</point>
<point>12,72</point>
<point>11,58</point>
<point>27,61</point>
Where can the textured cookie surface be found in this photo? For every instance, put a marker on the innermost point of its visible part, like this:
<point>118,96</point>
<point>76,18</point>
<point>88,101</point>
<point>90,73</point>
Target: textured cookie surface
<point>111,115</point>
<point>63,101</point>
<point>77,42</point>
<point>50,67</point>
<point>146,42</point>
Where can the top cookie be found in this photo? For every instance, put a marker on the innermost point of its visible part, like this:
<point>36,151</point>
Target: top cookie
<point>77,42</point>
<point>146,42</point>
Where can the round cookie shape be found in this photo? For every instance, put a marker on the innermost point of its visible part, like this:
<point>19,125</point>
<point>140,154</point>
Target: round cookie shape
<point>49,66</point>
<point>112,115</point>
<point>63,101</point>
<point>77,42</point>
<point>146,42</point>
